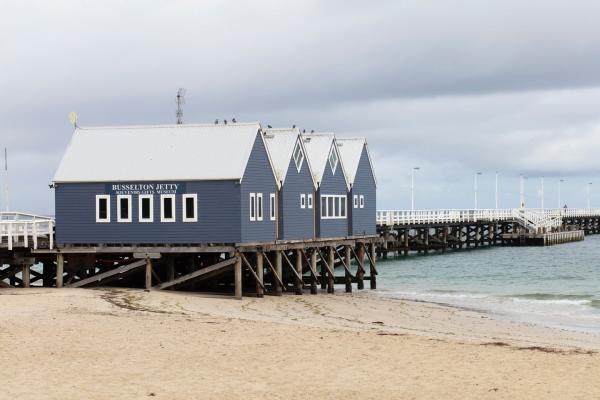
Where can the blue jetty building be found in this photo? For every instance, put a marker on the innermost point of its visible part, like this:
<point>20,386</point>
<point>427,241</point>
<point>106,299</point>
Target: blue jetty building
<point>363,186</point>
<point>178,184</point>
<point>332,185</point>
<point>296,196</point>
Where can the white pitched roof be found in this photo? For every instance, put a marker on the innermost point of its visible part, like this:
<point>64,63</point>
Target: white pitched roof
<point>350,150</point>
<point>170,152</point>
<point>318,146</point>
<point>280,143</point>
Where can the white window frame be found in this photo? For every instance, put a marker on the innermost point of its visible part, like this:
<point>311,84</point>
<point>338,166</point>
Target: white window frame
<point>362,201</point>
<point>272,207</point>
<point>107,198</point>
<point>355,201</point>
<point>252,206</point>
<point>259,209</point>
<point>184,217</point>
<point>333,156</point>
<point>302,200</point>
<point>124,197</point>
<point>337,200</point>
<point>141,218</point>
<point>162,207</point>
<point>309,202</point>
<point>298,155</point>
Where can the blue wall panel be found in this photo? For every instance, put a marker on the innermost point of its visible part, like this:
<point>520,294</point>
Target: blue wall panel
<point>334,184</point>
<point>363,219</point>
<point>218,216</point>
<point>297,223</point>
<point>258,178</point>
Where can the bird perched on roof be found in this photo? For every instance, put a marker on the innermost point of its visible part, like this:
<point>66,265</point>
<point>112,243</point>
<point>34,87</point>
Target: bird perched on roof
<point>269,126</point>
<point>225,121</point>
<point>303,130</point>
<point>216,122</point>
<point>293,126</point>
<point>233,120</point>
<point>312,131</point>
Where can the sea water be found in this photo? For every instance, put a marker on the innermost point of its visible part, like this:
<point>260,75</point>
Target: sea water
<point>556,286</point>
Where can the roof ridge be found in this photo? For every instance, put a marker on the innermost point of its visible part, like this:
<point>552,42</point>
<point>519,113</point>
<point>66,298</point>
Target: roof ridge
<point>89,128</point>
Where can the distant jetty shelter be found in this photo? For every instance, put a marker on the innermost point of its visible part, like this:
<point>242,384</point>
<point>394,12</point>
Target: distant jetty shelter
<point>222,207</point>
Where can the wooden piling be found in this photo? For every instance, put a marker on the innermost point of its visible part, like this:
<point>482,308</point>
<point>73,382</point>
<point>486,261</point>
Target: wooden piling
<point>238,277</point>
<point>25,275</point>
<point>348,256</point>
<point>279,270</point>
<point>313,263</point>
<point>260,272</point>
<point>360,274</point>
<point>298,281</point>
<point>170,269</point>
<point>148,273</point>
<point>373,271</point>
<point>330,277</point>
<point>60,267</point>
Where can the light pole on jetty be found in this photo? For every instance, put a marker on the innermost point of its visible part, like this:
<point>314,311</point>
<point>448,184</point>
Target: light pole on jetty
<point>522,191</point>
<point>496,190</point>
<point>542,193</point>
<point>560,181</point>
<point>412,187</point>
<point>475,182</point>
<point>589,187</point>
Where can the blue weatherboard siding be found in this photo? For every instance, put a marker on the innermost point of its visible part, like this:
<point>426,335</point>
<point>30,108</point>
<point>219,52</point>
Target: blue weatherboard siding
<point>333,184</point>
<point>363,219</point>
<point>218,216</point>
<point>258,178</point>
<point>296,222</point>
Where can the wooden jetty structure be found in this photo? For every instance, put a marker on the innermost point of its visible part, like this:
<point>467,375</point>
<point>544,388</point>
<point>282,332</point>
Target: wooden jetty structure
<point>422,231</point>
<point>255,269</point>
<point>230,208</point>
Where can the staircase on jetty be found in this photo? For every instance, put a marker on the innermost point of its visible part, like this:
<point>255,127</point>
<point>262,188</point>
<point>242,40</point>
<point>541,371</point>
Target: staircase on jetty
<point>404,231</point>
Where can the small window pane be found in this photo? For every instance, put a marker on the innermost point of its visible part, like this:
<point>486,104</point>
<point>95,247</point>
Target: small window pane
<point>145,208</point>
<point>190,210</point>
<point>168,207</point>
<point>124,208</point>
<point>102,208</point>
<point>259,208</point>
<point>331,207</point>
<point>343,206</point>
<point>252,206</point>
<point>323,206</point>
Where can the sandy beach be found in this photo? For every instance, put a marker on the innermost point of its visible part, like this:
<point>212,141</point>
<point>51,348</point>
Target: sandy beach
<point>122,343</point>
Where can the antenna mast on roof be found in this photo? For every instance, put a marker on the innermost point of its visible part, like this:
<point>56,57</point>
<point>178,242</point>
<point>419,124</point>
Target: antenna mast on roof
<point>6,193</point>
<point>180,103</point>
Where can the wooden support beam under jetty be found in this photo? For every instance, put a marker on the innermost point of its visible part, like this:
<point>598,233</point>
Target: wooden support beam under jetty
<point>109,274</point>
<point>221,267</point>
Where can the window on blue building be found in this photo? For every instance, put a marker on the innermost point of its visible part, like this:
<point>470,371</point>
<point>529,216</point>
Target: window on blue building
<point>333,160</point>
<point>298,156</point>
<point>146,206</point>
<point>310,201</point>
<point>167,208</point>
<point>252,206</point>
<point>190,208</point>
<point>259,206</point>
<point>124,208</point>
<point>333,206</point>
<point>102,208</point>
<point>362,201</point>
<point>272,205</point>
<point>302,200</point>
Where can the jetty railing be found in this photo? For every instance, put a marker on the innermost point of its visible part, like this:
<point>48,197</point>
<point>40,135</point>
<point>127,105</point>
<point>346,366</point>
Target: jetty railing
<point>18,229</point>
<point>536,220</point>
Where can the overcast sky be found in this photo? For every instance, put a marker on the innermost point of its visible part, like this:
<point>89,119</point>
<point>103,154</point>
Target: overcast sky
<point>452,87</point>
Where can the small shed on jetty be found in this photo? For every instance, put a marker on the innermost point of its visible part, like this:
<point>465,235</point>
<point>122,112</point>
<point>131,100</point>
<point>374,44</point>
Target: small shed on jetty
<point>295,198</point>
<point>173,184</point>
<point>363,186</point>
<point>332,186</point>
